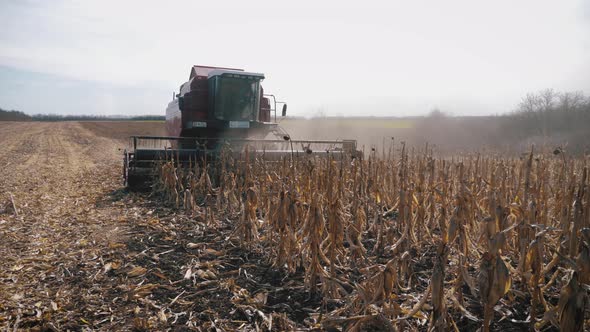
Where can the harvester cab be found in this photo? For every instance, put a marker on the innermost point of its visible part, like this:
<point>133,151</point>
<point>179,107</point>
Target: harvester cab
<point>216,108</point>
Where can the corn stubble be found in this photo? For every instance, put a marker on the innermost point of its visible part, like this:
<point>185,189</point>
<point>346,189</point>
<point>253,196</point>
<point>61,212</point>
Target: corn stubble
<point>394,242</point>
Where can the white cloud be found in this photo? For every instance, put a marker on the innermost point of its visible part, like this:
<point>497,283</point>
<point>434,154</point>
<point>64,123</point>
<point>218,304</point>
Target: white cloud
<point>454,54</point>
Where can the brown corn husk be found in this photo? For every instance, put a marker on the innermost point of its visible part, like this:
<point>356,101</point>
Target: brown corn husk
<point>572,303</point>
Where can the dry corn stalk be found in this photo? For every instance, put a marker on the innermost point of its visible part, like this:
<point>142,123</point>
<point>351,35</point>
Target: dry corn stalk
<point>319,214</point>
<point>248,224</point>
<point>354,235</point>
<point>572,303</point>
<point>439,313</point>
<point>494,282</point>
<point>313,229</point>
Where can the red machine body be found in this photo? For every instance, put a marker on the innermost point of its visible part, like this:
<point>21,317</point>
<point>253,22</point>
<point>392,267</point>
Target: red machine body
<point>192,112</point>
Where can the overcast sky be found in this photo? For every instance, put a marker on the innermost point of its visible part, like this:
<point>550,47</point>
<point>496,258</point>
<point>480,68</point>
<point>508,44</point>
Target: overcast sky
<point>393,58</point>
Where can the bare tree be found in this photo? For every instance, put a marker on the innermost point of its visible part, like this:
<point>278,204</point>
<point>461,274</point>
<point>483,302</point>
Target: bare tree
<point>571,101</point>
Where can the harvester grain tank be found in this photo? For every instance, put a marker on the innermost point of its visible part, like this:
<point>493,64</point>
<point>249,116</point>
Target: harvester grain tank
<point>218,108</point>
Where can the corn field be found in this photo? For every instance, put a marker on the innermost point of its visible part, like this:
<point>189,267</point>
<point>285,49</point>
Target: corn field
<point>403,240</point>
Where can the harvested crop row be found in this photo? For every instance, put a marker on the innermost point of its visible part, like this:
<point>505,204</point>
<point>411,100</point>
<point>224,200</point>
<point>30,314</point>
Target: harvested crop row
<point>410,241</point>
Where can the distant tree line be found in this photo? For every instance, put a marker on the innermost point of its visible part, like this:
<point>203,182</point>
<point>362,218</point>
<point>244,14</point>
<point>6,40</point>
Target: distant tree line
<point>550,115</point>
<point>549,120</point>
<point>57,117</point>
<point>6,115</point>
<point>546,119</point>
<point>149,118</point>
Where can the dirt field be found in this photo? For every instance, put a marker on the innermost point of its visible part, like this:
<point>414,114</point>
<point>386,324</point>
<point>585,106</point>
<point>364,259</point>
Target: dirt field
<point>61,178</point>
<point>121,130</point>
<point>69,246</point>
<point>81,253</point>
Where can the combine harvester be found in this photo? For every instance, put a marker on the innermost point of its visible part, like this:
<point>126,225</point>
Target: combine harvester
<point>222,108</point>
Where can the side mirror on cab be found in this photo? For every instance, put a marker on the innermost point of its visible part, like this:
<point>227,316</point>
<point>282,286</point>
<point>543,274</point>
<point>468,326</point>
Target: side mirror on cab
<point>284,110</point>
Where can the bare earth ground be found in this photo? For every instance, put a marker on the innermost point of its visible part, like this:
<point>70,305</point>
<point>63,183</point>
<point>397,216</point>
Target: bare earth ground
<point>81,253</point>
<point>54,244</point>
